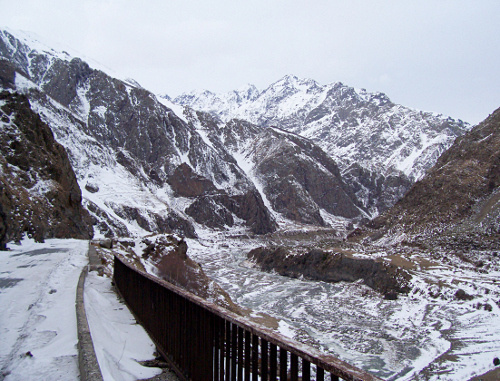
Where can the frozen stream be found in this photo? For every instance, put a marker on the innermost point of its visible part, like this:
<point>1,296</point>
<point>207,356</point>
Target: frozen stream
<point>393,339</point>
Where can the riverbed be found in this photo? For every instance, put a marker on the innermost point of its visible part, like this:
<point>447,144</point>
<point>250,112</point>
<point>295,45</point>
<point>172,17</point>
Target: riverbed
<point>428,333</point>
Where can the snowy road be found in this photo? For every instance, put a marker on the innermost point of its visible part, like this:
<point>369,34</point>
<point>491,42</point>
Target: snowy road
<point>38,331</point>
<point>37,298</point>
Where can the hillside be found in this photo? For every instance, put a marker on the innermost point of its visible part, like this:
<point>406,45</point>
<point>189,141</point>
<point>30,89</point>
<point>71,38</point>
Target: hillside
<point>380,147</point>
<point>39,194</point>
<point>459,198</point>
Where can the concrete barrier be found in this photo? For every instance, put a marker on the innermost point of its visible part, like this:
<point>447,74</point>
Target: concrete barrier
<point>87,359</point>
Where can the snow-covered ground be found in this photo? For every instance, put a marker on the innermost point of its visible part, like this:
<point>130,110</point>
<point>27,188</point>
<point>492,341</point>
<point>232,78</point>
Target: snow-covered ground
<point>119,341</point>
<point>419,335</point>
<point>38,334</point>
<point>38,320</point>
<point>427,335</point>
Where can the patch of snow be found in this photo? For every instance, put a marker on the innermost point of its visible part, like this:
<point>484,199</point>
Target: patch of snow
<point>23,83</point>
<point>178,110</point>
<point>42,187</point>
<point>101,111</point>
<point>118,340</point>
<point>286,329</point>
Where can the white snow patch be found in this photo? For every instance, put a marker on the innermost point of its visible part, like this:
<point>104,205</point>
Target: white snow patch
<point>178,110</point>
<point>118,340</point>
<point>286,329</point>
<point>23,83</point>
<point>101,111</point>
<point>42,187</point>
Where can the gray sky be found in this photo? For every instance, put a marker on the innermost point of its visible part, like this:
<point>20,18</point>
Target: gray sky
<point>434,55</point>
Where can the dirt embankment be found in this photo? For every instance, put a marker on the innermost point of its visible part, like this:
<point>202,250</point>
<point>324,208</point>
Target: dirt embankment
<point>327,266</point>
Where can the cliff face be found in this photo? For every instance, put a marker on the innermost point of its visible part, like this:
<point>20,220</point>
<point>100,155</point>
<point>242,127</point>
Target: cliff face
<point>333,267</point>
<point>39,194</point>
<point>142,167</point>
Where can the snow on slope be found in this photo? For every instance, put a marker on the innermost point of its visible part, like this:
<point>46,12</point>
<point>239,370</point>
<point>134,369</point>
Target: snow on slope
<point>123,143</point>
<point>55,50</point>
<point>352,125</point>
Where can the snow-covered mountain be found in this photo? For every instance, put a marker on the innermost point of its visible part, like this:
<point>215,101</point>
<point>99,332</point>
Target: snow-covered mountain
<point>147,165</point>
<point>297,180</point>
<point>381,147</point>
<point>458,201</point>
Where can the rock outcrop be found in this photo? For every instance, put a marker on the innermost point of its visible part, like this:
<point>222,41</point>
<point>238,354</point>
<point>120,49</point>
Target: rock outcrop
<point>39,193</point>
<point>298,179</point>
<point>171,262</point>
<point>333,267</point>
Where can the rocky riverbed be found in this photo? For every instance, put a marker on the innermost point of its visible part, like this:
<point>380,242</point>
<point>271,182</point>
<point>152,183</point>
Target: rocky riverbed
<point>445,327</point>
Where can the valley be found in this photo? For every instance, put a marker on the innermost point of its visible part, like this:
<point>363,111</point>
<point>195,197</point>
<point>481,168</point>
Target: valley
<point>384,219</point>
<point>431,333</point>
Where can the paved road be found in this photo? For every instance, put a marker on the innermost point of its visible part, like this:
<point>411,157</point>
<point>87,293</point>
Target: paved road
<point>37,298</point>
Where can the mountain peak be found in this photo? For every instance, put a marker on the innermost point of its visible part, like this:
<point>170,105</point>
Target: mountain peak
<point>294,82</point>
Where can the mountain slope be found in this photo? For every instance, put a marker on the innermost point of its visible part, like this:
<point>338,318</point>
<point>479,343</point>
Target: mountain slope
<point>297,180</point>
<point>144,167</point>
<point>457,204</point>
<point>125,145</point>
<point>380,146</point>
<point>466,175</point>
<point>39,194</point>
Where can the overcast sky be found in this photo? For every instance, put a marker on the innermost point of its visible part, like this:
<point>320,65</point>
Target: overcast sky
<point>434,55</point>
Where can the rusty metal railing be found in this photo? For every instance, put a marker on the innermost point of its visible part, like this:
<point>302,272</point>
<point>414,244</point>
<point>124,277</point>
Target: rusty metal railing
<point>203,341</point>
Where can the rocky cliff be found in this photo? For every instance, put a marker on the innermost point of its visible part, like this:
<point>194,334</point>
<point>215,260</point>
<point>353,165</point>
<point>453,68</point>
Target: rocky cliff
<point>327,266</point>
<point>298,181</point>
<point>129,150</point>
<point>39,194</point>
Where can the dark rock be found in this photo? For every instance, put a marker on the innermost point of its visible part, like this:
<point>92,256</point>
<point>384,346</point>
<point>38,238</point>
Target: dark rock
<point>3,225</point>
<point>186,183</point>
<point>175,266</point>
<point>92,188</point>
<point>333,267</point>
<point>496,361</point>
<point>391,295</point>
<point>7,75</point>
<point>39,193</point>
<point>217,211</point>
<point>462,295</point>
<point>205,210</point>
<point>106,243</point>
<point>378,192</point>
<point>251,208</point>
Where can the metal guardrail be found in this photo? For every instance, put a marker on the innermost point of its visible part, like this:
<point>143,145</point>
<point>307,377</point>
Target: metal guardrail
<point>203,341</point>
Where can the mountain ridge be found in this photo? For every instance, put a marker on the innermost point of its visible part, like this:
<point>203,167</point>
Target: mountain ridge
<point>128,149</point>
<point>369,136</point>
